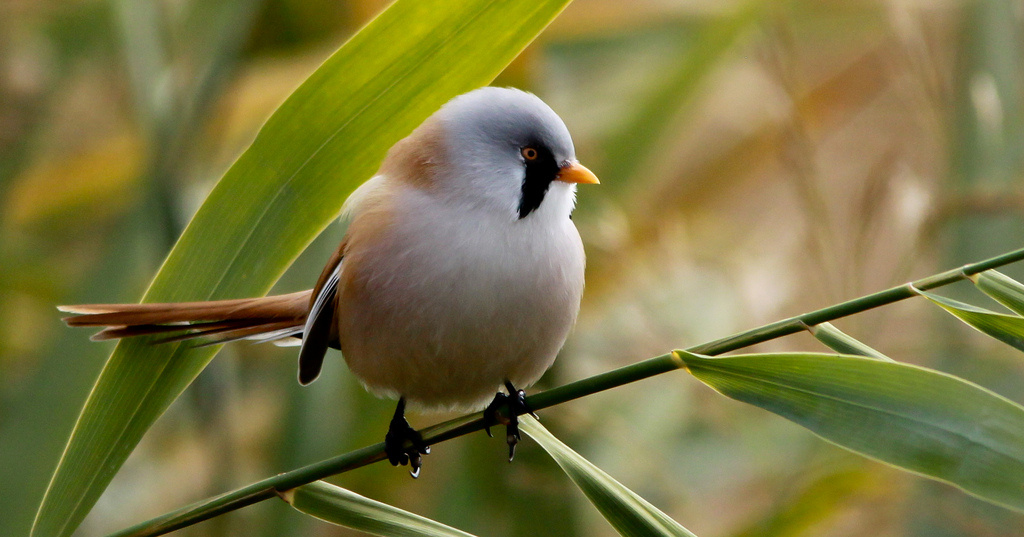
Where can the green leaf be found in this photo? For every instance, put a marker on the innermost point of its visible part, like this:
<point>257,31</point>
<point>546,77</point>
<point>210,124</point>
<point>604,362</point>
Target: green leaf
<point>1006,328</point>
<point>325,139</point>
<point>839,341</point>
<point>1002,288</point>
<point>930,423</point>
<point>346,508</point>
<point>627,512</point>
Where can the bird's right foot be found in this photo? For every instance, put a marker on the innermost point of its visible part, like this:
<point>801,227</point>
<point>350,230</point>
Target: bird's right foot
<point>401,433</point>
<point>505,410</point>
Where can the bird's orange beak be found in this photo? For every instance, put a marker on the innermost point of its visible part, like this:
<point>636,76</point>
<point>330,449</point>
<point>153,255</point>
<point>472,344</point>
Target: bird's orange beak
<point>574,172</point>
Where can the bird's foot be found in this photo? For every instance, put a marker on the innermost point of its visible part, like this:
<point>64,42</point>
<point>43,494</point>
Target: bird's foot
<point>400,433</point>
<point>515,402</point>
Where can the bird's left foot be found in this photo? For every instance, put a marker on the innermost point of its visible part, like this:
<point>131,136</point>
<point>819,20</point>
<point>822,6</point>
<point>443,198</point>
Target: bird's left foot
<point>515,402</point>
<point>400,432</point>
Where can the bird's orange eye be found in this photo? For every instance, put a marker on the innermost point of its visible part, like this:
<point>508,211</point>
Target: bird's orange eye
<point>529,153</point>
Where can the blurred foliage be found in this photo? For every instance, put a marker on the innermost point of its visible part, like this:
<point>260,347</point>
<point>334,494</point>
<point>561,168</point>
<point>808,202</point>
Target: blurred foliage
<point>760,159</point>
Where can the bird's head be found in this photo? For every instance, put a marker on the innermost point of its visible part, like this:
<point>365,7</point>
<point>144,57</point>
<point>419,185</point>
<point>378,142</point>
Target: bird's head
<point>500,149</point>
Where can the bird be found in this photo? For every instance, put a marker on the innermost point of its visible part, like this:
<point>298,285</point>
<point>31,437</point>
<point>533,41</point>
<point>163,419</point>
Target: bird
<point>460,273</point>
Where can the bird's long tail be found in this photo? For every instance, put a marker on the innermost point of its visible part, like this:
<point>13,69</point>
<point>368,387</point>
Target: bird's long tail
<point>272,318</point>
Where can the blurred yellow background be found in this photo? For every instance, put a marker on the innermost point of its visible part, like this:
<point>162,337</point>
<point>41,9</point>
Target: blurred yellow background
<point>758,159</point>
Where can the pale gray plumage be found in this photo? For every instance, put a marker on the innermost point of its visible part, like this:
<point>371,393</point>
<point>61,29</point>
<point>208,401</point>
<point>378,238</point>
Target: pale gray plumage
<point>447,293</point>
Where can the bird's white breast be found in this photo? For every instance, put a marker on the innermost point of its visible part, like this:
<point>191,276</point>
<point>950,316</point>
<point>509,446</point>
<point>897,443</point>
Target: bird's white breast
<point>441,302</point>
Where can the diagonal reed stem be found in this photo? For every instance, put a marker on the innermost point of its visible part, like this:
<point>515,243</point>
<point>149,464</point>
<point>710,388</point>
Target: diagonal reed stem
<point>272,486</point>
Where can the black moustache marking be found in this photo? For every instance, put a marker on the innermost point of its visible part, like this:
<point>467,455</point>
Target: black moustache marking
<point>539,174</point>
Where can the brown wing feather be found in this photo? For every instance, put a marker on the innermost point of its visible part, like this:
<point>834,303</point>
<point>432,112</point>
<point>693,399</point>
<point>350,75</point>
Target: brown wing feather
<point>320,331</point>
<point>325,274</point>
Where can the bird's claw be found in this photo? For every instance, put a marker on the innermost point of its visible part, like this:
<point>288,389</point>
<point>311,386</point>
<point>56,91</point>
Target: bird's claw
<point>515,402</point>
<point>399,433</point>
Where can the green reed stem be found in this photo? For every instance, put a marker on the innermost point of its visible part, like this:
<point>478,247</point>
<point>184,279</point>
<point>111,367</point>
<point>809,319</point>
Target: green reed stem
<point>272,486</point>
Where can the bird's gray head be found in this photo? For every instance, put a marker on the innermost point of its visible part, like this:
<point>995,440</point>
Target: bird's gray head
<point>508,151</point>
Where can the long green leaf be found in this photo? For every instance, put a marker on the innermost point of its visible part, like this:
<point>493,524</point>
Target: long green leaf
<point>346,508</point>
<point>924,421</point>
<point>324,140</point>
<point>626,511</point>
<point>1002,288</point>
<point>1006,328</point>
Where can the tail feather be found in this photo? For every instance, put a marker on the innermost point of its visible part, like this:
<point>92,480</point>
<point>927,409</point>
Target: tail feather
<point>253,318</point>
<point>259,333</point>
<point>194,329</point>
<point>271,307</point>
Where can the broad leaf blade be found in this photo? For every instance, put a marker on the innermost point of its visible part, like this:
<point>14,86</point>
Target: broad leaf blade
<point>324,140</point>
<point>627,512</point>
<point>924,421</point>
<point>1002,288</point>
<point>1006,328</point>
<point>843,343</point>
<point>346,508</point>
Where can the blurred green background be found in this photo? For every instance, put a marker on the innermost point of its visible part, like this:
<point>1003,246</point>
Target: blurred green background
<point>758,160</point>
